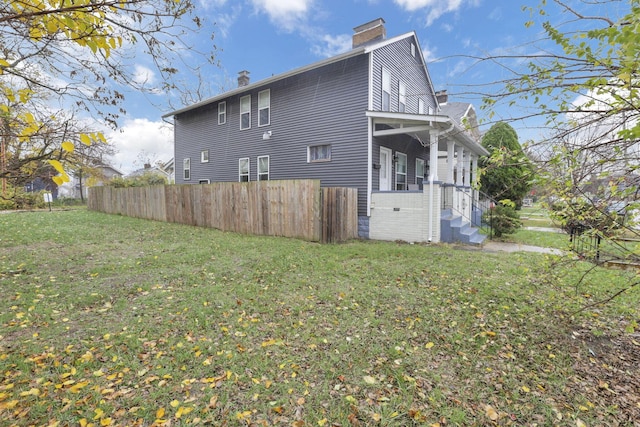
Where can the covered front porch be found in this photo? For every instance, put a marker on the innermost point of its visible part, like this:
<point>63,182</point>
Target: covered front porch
<point>441,207</point>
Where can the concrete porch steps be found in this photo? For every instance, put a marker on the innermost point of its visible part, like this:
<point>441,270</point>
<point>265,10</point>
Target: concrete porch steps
<point>453,229</point>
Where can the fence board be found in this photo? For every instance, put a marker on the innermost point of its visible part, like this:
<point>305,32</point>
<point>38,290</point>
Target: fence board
<point>291,208</point>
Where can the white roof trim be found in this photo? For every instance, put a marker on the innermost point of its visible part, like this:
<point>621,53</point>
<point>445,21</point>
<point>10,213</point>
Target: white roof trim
<point>413,123</point>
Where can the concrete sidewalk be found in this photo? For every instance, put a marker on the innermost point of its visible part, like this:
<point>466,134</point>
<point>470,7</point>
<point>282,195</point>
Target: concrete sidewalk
<point>492,246</point>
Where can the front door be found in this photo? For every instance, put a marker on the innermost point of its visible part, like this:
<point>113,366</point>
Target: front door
<point>386,156</point>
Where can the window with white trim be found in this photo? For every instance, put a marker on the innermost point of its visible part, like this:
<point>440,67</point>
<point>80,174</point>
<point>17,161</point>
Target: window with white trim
<point>420,106</point>
<point>204,156</point>
<point>413,50</point>
<point>243,170</point>
<point>402,97</point>
<point>186,169</point>
<point>319,153</point>
<point>263,168</point>
<point>245,112</point>
<point>386,90</point>
<point>222,112</point>
<point>401,171</point>
<point>204,181</point>
<point>420,171</point>
<point>264,107</point>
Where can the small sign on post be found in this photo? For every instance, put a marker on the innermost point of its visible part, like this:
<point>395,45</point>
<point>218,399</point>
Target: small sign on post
<point>48,198</point>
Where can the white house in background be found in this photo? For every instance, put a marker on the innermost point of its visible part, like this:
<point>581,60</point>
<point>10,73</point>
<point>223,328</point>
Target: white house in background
<point>79,189</point>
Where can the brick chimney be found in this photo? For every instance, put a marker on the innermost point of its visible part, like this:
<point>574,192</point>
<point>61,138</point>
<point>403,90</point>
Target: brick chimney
<point>243,78</point>
<point>370,32</point>
<point>442,96</point>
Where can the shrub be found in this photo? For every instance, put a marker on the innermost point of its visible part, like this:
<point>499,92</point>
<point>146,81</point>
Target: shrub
<point>144,180</point>
<point>503,217</point>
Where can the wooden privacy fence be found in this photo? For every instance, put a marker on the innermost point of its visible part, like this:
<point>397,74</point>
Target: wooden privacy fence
<point>291,208</point>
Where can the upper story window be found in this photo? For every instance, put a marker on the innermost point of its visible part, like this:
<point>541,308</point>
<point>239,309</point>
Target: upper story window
<point>264,107</point>
<point>243,169</point>
<point>319,153</point>
<point>413,50</point>
<point>186,169</point>
<point>222,113</point>
<point>401,171</point>
<point>386,90</point>
<point>204,156</point>
<point>420,106</point>
<point>245,112</point>
<point>263,168</point>
<point>402,97</point>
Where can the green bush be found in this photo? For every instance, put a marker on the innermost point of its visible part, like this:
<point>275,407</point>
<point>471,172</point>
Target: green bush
<point>144,180</point>
<point>22,200</point>
<point>503,217</point>
<point>583,214</point>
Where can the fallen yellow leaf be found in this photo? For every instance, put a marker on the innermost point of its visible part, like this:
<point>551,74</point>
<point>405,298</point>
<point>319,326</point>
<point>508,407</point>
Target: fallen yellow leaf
<point>491,413</point>
<point>369,379</point>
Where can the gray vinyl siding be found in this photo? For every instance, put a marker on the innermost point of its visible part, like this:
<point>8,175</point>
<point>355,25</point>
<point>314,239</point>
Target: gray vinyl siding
<point>325,105</point>
<point>322,106</point>
<point>396,58</point>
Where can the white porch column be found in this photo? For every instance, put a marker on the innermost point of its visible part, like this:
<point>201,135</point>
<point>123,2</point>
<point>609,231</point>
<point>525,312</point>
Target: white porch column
<point>433,156</point>
<point>459,165</point>
<point>450,161</point>
<point>467,168</point>
<point>474,170</point>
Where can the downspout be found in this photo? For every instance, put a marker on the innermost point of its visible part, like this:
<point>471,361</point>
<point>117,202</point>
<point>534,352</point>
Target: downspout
<point>370,138</point>
<point>369,163</point>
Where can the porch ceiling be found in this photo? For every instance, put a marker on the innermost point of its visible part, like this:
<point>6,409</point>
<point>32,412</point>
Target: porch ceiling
<point>420,125</point>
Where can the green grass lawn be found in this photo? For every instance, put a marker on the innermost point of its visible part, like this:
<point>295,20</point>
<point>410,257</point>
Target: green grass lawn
<point>108,320</point>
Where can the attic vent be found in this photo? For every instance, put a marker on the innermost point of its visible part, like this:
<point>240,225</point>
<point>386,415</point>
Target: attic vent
<point>243,78</point>
<point>369,32</point>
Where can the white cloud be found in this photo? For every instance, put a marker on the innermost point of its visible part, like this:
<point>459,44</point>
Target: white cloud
<point>329,45</point>
<point>435,8</point>
<point>140,140</point>
<point>496,14</point>
<point>143,75</point>
<point>429,53</point>
<point>447,27</point>
<point>288,14</point>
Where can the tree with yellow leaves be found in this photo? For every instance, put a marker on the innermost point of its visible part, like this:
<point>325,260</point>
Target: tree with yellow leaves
<point>79,54</point>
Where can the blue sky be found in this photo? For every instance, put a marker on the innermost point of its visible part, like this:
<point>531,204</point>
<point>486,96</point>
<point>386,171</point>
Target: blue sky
<point>268,37</point>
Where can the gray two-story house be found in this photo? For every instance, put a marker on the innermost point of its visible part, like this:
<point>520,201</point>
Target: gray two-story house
<point>368,118</point>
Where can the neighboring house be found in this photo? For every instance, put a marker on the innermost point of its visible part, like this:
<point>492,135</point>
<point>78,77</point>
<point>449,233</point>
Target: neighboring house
<point>368,119</point>
<point>74,187</point>
<point>170,170</point>
<point>162,169</point>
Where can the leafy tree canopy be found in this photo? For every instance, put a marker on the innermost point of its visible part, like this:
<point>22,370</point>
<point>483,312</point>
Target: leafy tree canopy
<point>80,54</point>
<point>508,173</point>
